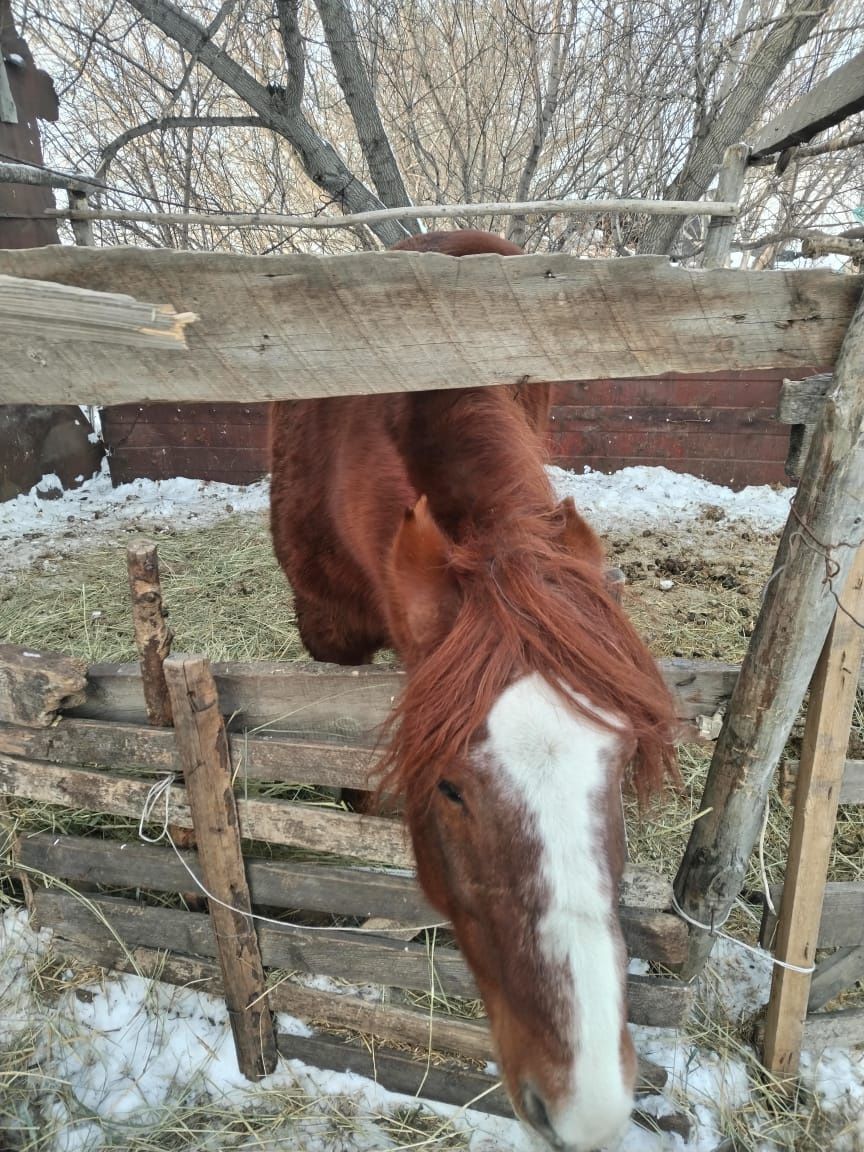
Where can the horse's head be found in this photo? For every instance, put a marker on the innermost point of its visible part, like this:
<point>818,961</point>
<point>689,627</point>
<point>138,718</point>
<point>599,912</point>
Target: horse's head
<point>518,836</point>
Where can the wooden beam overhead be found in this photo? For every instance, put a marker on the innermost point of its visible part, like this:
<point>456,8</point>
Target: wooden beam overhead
<point>831,100</point>
<point>282,327</point>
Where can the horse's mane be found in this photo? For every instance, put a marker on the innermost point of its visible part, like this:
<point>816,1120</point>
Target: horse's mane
<point>527,605</point>
<point>529,608</point>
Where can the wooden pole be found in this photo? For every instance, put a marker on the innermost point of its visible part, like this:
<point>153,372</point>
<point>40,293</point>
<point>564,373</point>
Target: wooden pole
<point>721,230</point>
<point>412,212</point>
<point>823,758</point>
<point>82,227</point>
<point>203,748</point>
<point>153,640</point>
<point>153,637</point>
<point>816,551</point>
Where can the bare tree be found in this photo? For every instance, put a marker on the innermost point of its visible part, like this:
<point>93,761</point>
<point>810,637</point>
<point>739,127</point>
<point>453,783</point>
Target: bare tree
<point>302,106</point>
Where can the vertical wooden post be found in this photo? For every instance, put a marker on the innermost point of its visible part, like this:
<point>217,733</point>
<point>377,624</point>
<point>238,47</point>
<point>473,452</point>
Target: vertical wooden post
<point>203,747</point>
<point>153,637</point>
<point>82,230</point>
<point>797,610</point>
<point>721,229</point>
<point>153,640</point>
<point>823,759</point>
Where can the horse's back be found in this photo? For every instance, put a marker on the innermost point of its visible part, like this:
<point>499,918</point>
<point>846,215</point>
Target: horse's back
<point>342,473</point>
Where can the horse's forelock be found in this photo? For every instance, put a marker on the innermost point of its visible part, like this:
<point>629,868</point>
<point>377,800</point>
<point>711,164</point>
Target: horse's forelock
<point>534,609</point>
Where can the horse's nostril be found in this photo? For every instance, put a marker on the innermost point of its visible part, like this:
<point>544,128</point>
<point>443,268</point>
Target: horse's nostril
<point>538,1117</point>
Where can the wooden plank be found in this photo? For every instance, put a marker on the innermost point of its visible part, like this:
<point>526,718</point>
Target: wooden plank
<point>325,700</point>
<point>153,640</point>
<point>838,95</point>
<point>272,883</point>
<point>797,609</point>
<point>801,400</point>
<point>282,883</point>
<point>348,956</point>
<point>203,748</point>
<point>35,685</point>
<point>841,924</point>
<point>46,314</point>
<point>667,419</point>
<point>469,1039</point>
<point>368,838</point>
<point>721,229</point>
<point>286,326</point>
<point>834,975</point>
<point>648,933</point>
<point>300,697</point>
<point>449,1085</point>
<point>841,1029</point>
<point>118,745</point>
<point>851,786</point>
<point>823,756</point>
<point>153,637</point>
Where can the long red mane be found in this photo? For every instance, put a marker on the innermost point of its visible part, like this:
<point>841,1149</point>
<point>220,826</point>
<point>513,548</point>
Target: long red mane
<point>527,605</point>
<point>531,609</point>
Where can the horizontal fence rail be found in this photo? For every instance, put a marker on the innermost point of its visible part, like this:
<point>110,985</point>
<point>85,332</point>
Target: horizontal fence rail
<point>280,327</point>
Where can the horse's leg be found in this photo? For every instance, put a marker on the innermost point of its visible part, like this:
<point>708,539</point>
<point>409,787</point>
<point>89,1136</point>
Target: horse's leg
<point>336,632</point>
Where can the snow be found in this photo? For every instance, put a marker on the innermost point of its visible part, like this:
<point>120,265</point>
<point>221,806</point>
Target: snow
<point>115,1056</point>
<point>95,511</point>
<point>644,496</point>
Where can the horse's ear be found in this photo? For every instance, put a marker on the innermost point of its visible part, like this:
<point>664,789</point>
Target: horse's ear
<point>423,594</point>
<point>577,535</point>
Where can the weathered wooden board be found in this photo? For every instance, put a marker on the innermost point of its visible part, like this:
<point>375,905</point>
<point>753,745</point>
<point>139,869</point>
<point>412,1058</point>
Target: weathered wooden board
<point>441,1033</point>
<point>841,1029</point>
<point>302,698</point>
<point>842,923</point>
<point>37,311</point>
<point>287,326</point>
<point>327,701</point>
<point>834,98</point>
<point>450,1085</point>
<point>119,745</point>
<point>851,786</point>
<point>830,711</point>
<point>801,400</point>
<point>35,685</point>
<point>833,975</point>
<point>649,933</point>
<point>203,747</point>
<point>369,838</point>
<point>343,955</point>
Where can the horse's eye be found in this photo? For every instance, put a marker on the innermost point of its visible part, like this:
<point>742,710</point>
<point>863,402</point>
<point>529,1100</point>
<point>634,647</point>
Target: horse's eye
<point>448,790</point>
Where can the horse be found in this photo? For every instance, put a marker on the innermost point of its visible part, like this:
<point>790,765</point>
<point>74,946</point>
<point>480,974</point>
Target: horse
<point>426,522</point>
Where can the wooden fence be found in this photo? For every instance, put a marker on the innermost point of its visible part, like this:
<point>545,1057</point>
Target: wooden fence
<point>78,739</point>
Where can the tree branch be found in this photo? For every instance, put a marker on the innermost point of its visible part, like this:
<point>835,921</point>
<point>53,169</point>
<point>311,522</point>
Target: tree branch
<point>742,105</point>
<point>162,123</point>
<point>341,37</point>
<point>277,110</point>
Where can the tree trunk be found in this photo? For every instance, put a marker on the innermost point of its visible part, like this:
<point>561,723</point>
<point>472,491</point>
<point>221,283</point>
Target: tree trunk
<point>353,78</point>
<point>734,120</point>
<point>280,111</point>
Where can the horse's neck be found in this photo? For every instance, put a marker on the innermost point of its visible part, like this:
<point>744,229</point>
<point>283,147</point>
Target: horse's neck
<point>475,456</point>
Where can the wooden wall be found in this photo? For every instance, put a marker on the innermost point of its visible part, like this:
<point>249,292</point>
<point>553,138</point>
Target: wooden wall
<point>722,426</point>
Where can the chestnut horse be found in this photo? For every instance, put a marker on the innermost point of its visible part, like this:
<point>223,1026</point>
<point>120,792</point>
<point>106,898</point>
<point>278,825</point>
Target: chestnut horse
<point>426,522</point>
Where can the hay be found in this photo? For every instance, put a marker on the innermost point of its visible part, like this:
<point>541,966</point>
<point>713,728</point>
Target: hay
<point>225,594</point>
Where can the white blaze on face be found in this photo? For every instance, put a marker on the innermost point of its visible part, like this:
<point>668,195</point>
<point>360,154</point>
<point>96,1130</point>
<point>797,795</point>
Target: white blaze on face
<point>556,763</point>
